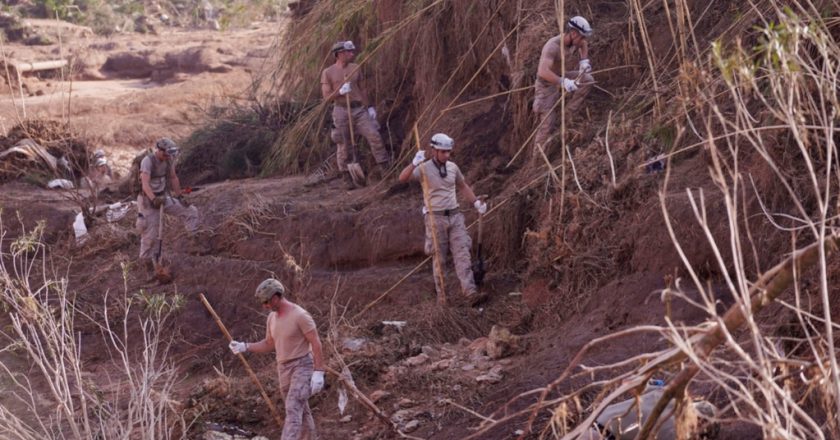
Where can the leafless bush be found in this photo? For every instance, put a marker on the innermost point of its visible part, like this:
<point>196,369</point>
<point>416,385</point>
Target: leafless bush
<point>58,397</point>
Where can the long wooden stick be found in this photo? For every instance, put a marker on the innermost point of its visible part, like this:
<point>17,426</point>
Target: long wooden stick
<point>245,363</point>
<point>424,181</point>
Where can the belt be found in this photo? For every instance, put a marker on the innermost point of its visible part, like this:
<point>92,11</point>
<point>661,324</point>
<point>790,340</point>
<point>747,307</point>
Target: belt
<point>353,104</point>
<point>447,212</point>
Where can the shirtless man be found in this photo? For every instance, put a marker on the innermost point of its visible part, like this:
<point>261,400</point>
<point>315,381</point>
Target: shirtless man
<point>342,83</point>
<point>549,79</point>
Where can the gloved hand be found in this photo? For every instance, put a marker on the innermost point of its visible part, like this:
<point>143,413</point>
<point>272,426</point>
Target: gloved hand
<point>158,201</point>
<point>345,89</point>
<point>584,66</point>
<point>569,85</point>
<point>238,347</point>
<point>419,158</point>
<point>183,201</point>
<point>317,382</point>
<point>372,114</point>
<point>480,206</point>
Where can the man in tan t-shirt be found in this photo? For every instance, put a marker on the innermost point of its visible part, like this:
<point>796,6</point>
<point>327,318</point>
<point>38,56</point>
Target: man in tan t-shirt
<point>550,77</point>
<point>342,85</point>
<point>291,333</point>
<point>443,177</point>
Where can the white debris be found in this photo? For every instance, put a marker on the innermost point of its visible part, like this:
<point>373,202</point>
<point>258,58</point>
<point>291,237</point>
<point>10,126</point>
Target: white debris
<point>60,184</point>
<point>80,230</point>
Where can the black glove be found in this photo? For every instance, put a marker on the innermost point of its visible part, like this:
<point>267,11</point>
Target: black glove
<point>158,201</point>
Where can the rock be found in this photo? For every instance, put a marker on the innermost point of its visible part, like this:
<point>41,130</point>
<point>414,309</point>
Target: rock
<point>515,294</point>
<point>464,342</point>
<point>479,345</point>
<point>346,419</point>
<point>378,395</point>
<point>216,435</point>
<point>411,426</point>
<point>442,364</point>
<point>401,416</point>
<point>353,344</point>
<point>406,403</point>
<point>420,359</point>
<point>467,367</point>
<point>492,376</point>
<point>429,351</point>
<point>501,342</point>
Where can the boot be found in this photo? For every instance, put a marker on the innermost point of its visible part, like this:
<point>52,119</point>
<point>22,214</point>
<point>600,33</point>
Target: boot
<point>349,185</point>
<point>377,173</point>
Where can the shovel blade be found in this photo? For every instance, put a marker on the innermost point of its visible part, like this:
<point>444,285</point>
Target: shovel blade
<point>356,173</point>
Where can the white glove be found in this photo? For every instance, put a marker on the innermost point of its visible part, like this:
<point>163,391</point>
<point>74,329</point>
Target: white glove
<point>569,85</point>
<point>372,114</point>
<point>238,347</point>
<point>419,158</point>
<point>584,66</point>
<point>317,382</point>
<point>480,206</point>
<point>345,89</point>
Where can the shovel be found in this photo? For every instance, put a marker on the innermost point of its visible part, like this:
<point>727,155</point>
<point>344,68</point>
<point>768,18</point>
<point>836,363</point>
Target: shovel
<point>162,273</point>
<point>478,266</point>
<point>356,172</point>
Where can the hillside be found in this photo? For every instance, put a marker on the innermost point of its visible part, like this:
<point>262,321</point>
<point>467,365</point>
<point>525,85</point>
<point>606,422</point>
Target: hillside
<point>680,227</point>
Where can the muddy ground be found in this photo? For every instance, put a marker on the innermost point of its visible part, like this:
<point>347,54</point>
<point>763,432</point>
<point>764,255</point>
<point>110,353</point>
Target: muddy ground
<point>333,246</point>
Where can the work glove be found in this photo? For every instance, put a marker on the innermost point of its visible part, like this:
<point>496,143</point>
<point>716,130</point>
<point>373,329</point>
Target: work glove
<point>345,89</point>
<point>158,201</point>
<point>480,206</point>
<point>569,85</point>
<point>238,347</point>
<point>584,66</point>
<point>419,158</point>
<point>317,382</point>
<point>372,114</point>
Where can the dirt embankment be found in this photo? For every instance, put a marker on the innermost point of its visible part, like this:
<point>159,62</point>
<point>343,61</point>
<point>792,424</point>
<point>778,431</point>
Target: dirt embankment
<point>567,263</point>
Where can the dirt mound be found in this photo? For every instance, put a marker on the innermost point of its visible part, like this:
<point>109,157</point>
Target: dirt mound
<point>146,63</point>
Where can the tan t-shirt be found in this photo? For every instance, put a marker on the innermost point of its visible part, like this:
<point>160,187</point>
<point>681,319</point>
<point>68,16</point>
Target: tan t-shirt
<point>286,333</point>
<point>158,172</point>
<point>441,190</point>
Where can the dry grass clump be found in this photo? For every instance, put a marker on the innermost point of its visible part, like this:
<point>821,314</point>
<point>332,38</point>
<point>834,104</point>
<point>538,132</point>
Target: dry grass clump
<point>416,56</point>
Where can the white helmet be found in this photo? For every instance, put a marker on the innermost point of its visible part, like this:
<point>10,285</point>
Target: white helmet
<point>101,161</point>
<point>441,141</point>
<point>580,24</point>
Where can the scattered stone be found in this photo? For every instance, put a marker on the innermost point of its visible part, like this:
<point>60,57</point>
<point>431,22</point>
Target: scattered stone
<point>353,344</point>
<point>501,342</point>
<point>411,426</point>
<point>401,416</point>
<point>464,342</point>
<point>429,351</point>
<point>442,364</point>
<point>515,294</point>
<point>467,367</point>
<point>378,395</point>
<point>406,403</point>
<point>420,359</point>
<point>346,419</point>
<point>492,376</point>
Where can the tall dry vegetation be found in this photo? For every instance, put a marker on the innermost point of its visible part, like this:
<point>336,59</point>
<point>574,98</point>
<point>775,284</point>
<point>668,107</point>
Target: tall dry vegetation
<point>762,109</point>
<point>57,397</point>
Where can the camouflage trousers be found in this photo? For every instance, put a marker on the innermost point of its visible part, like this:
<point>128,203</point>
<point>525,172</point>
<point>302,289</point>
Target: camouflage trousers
<point>546,96</point>
<point>362,124</point>
<point>295,377</point>
<point>452,237</point>
<point>148,221</point>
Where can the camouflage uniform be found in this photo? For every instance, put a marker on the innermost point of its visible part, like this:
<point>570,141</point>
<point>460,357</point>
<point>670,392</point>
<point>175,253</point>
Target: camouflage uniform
<point>362,124</point>
<point>546,96</point>
<point>295,376</point>
<point>451,236</point>
<point>148,219</point>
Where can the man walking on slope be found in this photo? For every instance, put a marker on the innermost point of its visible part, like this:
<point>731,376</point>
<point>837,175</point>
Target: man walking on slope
<point>550,78</point>
<point>291,333</point>
<point>342,85</point>
<point>443,177</point>
<point>159,186</point>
